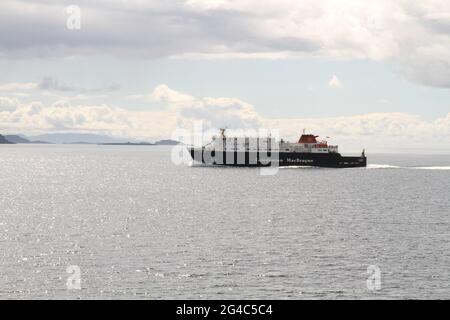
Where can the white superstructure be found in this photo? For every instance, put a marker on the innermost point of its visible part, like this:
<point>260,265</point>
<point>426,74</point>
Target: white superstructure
<point>306,144</point>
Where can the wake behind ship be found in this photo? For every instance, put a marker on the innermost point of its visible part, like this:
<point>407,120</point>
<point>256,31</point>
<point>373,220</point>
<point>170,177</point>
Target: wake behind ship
<point>250,152</point>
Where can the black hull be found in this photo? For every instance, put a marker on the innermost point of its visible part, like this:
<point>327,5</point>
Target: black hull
<point>254,159</point>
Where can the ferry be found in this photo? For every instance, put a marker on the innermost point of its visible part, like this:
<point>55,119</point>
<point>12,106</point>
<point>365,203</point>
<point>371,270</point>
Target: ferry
<point>250,152</point>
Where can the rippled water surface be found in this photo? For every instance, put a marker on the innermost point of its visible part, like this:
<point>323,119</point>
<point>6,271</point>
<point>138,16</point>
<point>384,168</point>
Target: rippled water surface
<point>139,227</point>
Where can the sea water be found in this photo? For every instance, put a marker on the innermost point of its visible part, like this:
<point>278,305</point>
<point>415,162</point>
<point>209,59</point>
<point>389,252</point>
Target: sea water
<point>124,222</point>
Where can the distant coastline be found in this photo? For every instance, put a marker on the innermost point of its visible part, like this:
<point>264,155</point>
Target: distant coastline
<point>157,143</point>
<point>74,138</point>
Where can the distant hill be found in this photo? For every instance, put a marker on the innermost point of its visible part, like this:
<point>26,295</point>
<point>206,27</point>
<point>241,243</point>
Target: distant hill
<point>79,138</point>
<point>3,140</point>
<point>19,138</point>
<point>16,138</point>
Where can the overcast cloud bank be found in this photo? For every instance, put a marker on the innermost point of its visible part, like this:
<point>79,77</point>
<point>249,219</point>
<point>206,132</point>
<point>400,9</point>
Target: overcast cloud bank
<point>413,36</point>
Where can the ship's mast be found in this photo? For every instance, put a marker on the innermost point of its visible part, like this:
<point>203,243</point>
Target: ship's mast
<point>222,132</point>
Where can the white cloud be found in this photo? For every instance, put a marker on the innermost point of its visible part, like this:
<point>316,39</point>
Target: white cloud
<point>164,94</point>
<point>334,82</point>
<point>412,35</point>
<point>8,104</point>
<point>376,130</point>
<point>14,86</point>
<point>214,112</point>
<point>62,116</point>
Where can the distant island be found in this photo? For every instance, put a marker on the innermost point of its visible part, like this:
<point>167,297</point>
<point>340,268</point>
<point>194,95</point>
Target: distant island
<point>80,138</point>
<point>167,142</point>
<point>127,144</point>
<point>157,143</point>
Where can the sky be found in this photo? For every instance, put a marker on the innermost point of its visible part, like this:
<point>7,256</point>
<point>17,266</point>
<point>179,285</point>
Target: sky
<point>373,75</point>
